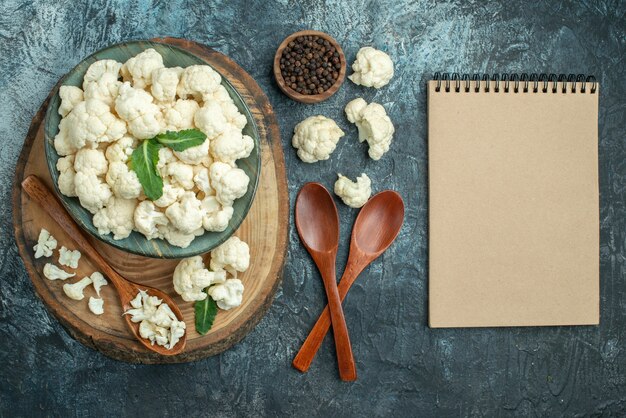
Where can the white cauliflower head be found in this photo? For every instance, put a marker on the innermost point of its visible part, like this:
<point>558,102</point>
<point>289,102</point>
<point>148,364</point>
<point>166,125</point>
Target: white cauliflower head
<point>374,126</point>
<point>90,161</point>
<point>227,295</point>
<point>91,123</point>
<point>372,68</point>
<point>139,68</point>
<point>101,81</point>
<point>354,194</point>
<point>210,119</point>
<point>198,81</point>
<point>191,278</point>
<point>75,290</point>
<point>92,192</point>
<point>123,181</point>
<point>216,217</point>
<point>70,97</point>
<point>315,138</point>
<point>185,214</point>
<point>67,173</point>
<point>180,115</point>
<point>52,272</point>
<point>46,244</point>
<point>194,155</point>
<point>229,183</point>
<point>135,107</point>
<point>230,146</point>
<point>116,217</point>
<point>233,256</point>
<point>147,218</point>
<point>165,82</point>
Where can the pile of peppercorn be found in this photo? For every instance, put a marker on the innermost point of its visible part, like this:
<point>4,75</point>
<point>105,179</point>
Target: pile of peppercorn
<point>310,64</point>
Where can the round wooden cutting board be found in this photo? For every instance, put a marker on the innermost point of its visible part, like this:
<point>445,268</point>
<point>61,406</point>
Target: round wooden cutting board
<point>265,229</point>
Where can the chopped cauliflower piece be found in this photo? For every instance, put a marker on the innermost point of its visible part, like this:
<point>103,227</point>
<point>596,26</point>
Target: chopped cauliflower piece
<point>229,183</point>
<point>316,138</point>
<point>90,161</point>
<point>147,218</point>
<point>170,195</point>
<point>202,182</point>
<point>216,217</point>
<point>116,217</point>
<point>135,107</point>
<point>121,150</point>
<point>91,123</point>
<point>372,68</point>
<point>52,272</point>
<point>92,192</point>
<point>197,81</point>
<point>176,237</point>
<point>67,173</point>
<point>123,181</point>
<point>374,126</point>
<point>180,115</point>
<point>139,68</point>
<point>46,244</point>
<point>233,116</point>
<point>69,258</point>
<point>191,278</point>
<point>101,81</point>
<point>228,295</point>
<point>194,155</point>
<point>164,83</point>
<point>233,256</point>
<point>354,194</point>
<point>98,281</point>
<point>181,174</point>
<point>62,143</point>
<point>231,146</point>
<point>75,290</point>
<point>70,97</point>
<point>185,214</point>
<point>210,119</point>
<point>96,305</point>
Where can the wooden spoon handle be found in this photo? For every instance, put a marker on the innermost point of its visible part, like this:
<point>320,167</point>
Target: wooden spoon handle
<point>314,340</point>
<point>41,194</point>
<point>345,358</point>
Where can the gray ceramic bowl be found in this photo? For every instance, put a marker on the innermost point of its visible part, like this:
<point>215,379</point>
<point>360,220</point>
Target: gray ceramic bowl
<point>136,243</point>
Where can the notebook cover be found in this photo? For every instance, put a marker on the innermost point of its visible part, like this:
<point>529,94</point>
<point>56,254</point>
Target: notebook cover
<point>513,208</point>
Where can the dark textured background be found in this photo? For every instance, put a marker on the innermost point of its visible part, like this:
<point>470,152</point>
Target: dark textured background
<point>404,367</point>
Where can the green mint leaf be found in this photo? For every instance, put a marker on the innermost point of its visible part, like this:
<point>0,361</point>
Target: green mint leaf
<point>181,140</point>
<point>205,311</point>
<point>143,162</point>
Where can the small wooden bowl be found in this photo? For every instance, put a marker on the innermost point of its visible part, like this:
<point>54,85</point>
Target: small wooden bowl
<point>309,98</point>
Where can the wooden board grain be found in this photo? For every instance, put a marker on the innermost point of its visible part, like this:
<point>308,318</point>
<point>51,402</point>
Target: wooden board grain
<point>265,229</point>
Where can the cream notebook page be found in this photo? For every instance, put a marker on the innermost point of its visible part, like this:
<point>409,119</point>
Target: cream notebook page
<point>513,204</point>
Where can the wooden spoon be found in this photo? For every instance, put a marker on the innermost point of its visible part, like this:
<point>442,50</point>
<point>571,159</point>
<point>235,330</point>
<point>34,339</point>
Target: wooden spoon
<point>318,226</point>
<point>126,289</point>
<point>375,228</point>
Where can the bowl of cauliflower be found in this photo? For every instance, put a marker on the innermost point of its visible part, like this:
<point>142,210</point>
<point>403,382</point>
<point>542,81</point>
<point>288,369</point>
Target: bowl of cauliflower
<point>152,150</point>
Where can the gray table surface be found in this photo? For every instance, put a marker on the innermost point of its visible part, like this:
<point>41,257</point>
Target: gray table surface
<point>404,367</point>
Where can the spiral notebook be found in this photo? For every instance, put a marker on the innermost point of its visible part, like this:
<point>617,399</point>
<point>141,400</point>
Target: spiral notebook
<point>513,200</point>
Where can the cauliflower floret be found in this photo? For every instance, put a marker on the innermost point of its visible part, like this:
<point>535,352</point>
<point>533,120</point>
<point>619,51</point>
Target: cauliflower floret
<point>147,218</point>
<point>180,115</point>
<point>136,108</point>
<point>65,166</point>
<point>194,155</point>
<point>191,277</point>
<point>181,174</point>
<point>354,194</point>
<point>220,95</point>
<point>197,81</point>
<point>229,183</point>
<point>90,161</point>
<point>121,150</point>
<point>232,256</point>
<point>91,123</point>
<point>170,195</point>
<point>202,182</point>
<point>177,330</point>
<point>75,290</point>
<point>52,272</point>
<point>164,83</point>
<point>186,214</point>
<point>374,126</point>
<point>46,244</point>
<point>70,97</point>
<point>92,192</point>
<point>230,146</point>
<point>372,68</point>
<point>166,156</point>
<point>123,181</point>
<point>315,138</point>
<point>98,281</point>
<point>96,305</point>
<point>210,119</point>
<point>216,217</point>
<point>69,258</point>
<point>62,143</point>
<point>116,217</point>
<point>177,238</point>
<point>102,81</point>
<point>228,295</point>
<point>139,68</point>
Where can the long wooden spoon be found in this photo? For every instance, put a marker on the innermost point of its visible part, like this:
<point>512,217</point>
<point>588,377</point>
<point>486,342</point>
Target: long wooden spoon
<point>318,226</point>
<point>375,228</point>
<point>126,289</point>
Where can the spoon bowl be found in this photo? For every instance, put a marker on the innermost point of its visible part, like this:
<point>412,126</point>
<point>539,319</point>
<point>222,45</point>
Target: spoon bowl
<point>316,218</point>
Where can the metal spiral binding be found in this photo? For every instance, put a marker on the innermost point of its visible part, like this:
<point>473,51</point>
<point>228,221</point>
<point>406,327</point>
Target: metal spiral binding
<point>516,82</point>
